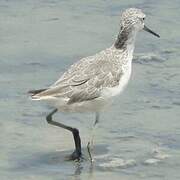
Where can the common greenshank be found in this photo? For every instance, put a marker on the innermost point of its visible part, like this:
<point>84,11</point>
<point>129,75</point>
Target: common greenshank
<point>90,84</point>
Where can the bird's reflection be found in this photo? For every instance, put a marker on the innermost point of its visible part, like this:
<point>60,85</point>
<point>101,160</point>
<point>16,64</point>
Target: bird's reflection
<point>80,166</point>
<point>78,169</point>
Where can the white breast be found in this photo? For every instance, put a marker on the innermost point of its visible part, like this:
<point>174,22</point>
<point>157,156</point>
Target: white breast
<point>114,91</point>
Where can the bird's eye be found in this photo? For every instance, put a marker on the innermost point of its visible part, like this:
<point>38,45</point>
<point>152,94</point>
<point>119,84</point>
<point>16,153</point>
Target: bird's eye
<point>143,19</point>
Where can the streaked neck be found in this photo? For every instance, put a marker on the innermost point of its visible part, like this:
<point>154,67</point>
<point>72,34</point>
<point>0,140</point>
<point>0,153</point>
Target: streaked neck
<point>126,40</point>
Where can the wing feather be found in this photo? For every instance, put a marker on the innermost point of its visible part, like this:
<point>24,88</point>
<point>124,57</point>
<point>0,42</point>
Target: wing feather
<point>85,79</point>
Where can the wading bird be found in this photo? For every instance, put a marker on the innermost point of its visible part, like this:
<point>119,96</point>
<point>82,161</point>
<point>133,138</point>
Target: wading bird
<point>91,83</point>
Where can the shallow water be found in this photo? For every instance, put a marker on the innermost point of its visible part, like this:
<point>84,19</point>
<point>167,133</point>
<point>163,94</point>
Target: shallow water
<point>139,138</point>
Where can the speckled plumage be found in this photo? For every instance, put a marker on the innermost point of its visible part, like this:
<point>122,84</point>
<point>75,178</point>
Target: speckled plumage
<point>85,79</point>
<point>98,77</point>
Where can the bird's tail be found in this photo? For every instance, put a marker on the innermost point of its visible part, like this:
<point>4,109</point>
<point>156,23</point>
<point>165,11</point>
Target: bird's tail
<point>34,93</point>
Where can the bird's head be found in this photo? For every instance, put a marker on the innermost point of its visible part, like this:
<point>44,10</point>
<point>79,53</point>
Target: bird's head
<point>132,19</point>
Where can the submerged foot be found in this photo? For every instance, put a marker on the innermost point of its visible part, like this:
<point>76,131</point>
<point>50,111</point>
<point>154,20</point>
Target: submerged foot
<point>75,156</point>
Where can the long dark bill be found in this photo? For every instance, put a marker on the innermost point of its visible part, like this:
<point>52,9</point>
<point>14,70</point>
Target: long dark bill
<point>150,31</point>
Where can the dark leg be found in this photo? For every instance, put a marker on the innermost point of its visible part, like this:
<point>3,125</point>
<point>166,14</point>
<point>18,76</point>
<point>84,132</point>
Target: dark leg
<point>76,155</point>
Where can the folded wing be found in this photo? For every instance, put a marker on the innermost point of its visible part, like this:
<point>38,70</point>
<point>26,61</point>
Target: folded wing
<point>85,80</point>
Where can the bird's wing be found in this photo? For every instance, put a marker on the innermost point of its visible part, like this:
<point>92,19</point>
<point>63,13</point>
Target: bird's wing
<point>85,79</point>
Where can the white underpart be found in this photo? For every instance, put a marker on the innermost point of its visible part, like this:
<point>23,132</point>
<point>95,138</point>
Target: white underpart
<point>111,92</point>
<point>97,104</point>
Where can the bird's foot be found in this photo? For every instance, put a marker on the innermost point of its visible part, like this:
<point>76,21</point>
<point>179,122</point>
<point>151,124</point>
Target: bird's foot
<point>75,156</point>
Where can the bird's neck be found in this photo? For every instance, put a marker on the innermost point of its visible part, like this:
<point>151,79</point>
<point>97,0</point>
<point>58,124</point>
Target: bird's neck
<point>126,40</point>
